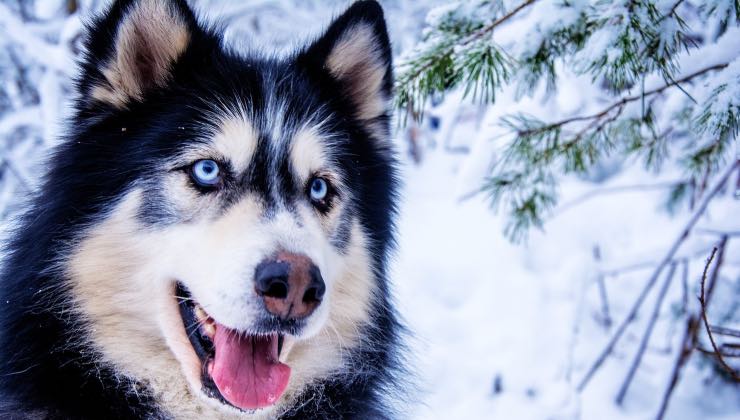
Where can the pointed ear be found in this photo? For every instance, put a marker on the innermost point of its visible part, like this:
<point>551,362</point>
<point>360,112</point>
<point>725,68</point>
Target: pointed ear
<point>356,52</point>
<point>132,48</point>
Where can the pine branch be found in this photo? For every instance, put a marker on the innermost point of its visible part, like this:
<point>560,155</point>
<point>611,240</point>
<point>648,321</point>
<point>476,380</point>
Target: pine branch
<point>502,19</point>
<point>454,53</point>
<point>471,38</point>
<point>547,149</point>
<point>620,104</point>
<point>671,12</point>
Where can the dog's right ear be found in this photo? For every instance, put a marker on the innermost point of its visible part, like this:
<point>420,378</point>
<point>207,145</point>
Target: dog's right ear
<point>131,50</point>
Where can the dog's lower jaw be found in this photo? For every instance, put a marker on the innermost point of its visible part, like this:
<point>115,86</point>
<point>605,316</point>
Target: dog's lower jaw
<point>239,369</point>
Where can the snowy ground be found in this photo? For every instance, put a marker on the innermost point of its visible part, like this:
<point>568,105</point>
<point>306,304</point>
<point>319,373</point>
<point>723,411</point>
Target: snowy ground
<point>499,330</point>
<point>482,308</point>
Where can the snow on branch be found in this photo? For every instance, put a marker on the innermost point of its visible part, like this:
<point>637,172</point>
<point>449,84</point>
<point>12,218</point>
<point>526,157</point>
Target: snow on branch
<point>642,54</point>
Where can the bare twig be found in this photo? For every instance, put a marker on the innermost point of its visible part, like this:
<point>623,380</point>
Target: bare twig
<point>646,336</point>
<point>690,339</point>
<point>724,331</point>
<point>730,349</point>
<point>5,163</point>
<point>704,298</point>
<point>688,344</point>
<point>619,270</point>
<point>685,287</point>
<point>654,277</point>
<point>726,352</point>
<point>601,283</point>
<point>717,232</point>
<point>706,269</point>
<point>614,190</point>
<point>605,316</point>
<point>615,271</point>
<point>448,136</point>
<point>49,55</point>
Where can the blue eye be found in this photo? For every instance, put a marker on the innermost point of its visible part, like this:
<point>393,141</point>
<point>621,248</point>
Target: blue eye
<point>319,189</point>
<point>206,173</point>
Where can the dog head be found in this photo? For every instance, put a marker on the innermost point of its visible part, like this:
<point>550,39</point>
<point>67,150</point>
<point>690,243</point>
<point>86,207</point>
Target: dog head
<point>242,204</point>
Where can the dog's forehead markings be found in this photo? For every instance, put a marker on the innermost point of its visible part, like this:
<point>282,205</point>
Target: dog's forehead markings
<point>236,140</point>
<point>307,153</point>
<point>276,123</point>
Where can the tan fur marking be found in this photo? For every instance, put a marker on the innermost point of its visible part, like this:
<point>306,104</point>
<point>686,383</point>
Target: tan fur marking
<point>236,141</point>
<point>356,61</point>
<point>118,293</point>
<point>150,38</point>
<point>307,153</point>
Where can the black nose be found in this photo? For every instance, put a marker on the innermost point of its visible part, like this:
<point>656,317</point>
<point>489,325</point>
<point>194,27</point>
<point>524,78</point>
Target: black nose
<point>290,285</point>
<point>271,278</point>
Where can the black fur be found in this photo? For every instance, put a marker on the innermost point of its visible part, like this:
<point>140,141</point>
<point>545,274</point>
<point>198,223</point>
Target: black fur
<point>46,370</point>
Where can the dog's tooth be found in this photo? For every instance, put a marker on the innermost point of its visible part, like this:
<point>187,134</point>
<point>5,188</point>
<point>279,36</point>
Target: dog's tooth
<point>209,328</point>
<point>287,346</point>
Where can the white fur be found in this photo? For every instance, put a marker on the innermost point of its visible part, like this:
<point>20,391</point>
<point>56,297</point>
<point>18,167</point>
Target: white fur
<point>307,154</point>
<point>236,141</point>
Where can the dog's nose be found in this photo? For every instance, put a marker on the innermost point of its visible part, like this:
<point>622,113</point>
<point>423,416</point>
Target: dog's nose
<point>290,285</point>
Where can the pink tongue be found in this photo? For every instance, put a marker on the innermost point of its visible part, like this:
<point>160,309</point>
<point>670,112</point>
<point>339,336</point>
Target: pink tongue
<point>246,369</point>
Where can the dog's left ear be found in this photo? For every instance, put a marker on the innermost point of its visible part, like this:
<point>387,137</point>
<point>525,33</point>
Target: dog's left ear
<point>356,52</point>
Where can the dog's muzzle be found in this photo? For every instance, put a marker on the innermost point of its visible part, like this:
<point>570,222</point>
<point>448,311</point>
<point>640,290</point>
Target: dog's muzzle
<point>243,369</point>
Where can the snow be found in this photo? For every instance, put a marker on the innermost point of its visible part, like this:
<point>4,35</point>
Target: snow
<point>499,330</point>
<point>721,95</point>
<point>482,308</point>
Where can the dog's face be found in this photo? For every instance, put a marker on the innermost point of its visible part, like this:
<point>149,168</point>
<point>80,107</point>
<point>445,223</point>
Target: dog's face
<point>245,205</point>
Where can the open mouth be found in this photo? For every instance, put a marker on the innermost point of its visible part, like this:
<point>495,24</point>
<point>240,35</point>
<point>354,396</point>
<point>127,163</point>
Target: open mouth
<point>238,369</point>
